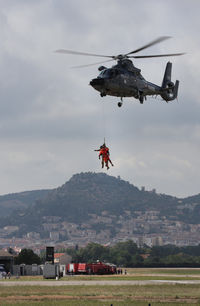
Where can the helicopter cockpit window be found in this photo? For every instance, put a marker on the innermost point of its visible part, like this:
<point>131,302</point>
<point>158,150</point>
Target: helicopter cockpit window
<point>108,73</point>
<point>104,73</point>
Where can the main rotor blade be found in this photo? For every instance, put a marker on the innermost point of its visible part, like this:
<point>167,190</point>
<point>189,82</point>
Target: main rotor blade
<point>157,55</point>
<point>88,65</point>
<point>80,53</point>
<point>156,41</point>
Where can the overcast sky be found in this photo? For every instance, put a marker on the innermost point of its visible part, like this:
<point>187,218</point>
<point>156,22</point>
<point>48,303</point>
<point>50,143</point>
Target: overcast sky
<point>51,120</point>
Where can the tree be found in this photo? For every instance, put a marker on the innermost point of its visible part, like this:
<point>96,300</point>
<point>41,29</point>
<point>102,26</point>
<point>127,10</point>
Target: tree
<point>28,257</point>
<point>136,261</point>
<point>91,253</point>
<point>127,254</point>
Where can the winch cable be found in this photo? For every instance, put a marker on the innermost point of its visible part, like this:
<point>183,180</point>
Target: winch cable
<point>104,121</point>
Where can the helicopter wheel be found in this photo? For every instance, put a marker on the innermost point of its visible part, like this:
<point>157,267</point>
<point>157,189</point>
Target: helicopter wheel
<point>120,103</point>
<point>102,94</point>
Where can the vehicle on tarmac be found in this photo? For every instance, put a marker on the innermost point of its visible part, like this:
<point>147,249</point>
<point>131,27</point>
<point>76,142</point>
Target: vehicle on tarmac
<point>91,268</point>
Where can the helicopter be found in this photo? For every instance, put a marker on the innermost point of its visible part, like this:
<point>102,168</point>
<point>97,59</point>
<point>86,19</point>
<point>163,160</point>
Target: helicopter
<point>125,80</point>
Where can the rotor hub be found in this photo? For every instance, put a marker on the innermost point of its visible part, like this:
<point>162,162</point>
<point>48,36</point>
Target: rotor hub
<point>120,57</point>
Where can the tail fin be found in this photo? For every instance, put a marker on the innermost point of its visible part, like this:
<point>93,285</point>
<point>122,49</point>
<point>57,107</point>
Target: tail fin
<point>169,91</point>
<point>167,75</point>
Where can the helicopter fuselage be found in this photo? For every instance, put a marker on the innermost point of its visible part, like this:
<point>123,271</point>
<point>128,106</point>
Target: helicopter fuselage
<point>121,83</point>
<point>125,80</point>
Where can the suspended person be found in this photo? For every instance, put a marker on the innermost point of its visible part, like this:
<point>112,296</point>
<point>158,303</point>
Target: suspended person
<point>104,154</point>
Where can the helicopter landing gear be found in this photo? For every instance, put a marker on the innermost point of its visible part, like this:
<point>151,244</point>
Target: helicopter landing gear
<point>102,94</point>
<point>120,103</point>
<point>141,98</point>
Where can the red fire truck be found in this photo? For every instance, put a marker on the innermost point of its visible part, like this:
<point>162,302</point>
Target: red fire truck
<point>91,268</point>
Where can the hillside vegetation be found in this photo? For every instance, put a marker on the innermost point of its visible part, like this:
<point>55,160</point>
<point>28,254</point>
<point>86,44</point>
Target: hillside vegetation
<point>88,194</point>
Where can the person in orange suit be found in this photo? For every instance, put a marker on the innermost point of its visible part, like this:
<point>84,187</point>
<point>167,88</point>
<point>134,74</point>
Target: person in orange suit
<point>104,154</point>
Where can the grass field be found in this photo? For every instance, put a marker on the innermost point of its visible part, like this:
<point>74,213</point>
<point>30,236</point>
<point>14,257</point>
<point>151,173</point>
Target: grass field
<point>159,294</point>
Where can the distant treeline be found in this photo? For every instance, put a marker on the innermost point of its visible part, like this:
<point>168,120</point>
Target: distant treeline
<point>127,254</point>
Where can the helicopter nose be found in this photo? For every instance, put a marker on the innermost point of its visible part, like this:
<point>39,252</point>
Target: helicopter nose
<point>97,82</point>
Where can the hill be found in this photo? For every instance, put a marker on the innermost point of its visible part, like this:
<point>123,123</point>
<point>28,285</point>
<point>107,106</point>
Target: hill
<point>19,201</point>
<point>91,193</point>
<point>100,202</point>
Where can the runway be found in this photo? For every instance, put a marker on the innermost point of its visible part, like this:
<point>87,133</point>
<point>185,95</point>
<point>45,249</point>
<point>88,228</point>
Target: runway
<point>95,282</point>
